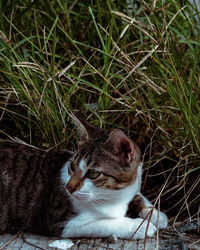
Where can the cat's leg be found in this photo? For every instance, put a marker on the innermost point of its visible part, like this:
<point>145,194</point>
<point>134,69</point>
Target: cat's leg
<point>123,227</point>
<point>143,208</point>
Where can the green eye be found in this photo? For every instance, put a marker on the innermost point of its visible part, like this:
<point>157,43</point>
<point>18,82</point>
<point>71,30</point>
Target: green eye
<point>93,174</point>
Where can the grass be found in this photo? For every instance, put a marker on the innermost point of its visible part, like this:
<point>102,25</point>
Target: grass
<point>124,65</point>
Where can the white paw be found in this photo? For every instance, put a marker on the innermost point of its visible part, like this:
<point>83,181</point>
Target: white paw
<point>157,218</point>
<point>163,220</point>
<point>140,228</point>
<point>145,228</point>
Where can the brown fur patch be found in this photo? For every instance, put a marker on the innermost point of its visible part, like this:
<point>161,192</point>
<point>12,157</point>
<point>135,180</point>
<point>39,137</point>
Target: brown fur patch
<point>135,206</point>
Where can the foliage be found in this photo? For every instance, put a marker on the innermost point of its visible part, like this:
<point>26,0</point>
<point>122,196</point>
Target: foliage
<point>127,64</point>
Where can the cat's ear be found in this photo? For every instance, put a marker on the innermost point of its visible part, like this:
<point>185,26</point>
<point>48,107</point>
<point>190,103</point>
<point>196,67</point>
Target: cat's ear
<point>87,131</point>
<point>122,145</point>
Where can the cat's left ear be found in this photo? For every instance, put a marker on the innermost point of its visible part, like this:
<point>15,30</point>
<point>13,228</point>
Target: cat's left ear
<point>87,131</point>
<point>123,146</point>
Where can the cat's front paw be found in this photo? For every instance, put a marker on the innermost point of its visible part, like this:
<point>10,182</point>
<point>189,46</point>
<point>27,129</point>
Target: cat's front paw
<point>163,220</point>
<point>157,218</point>
<point>143,228</point>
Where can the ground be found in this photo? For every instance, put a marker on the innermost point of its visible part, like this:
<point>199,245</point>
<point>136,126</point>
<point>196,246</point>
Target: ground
<point>183,236</point>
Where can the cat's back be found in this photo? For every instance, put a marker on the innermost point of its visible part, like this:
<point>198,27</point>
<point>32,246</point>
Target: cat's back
<point>23,166</point>
<point>13,154</point>
<point>19,164</point>
<point>27,182</point>
<point>17,156</point>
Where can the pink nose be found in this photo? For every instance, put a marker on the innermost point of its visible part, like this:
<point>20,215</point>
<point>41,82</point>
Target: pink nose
<point>70,189</point>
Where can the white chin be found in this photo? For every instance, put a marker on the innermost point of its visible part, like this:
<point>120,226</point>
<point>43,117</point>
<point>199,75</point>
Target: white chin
<point>83,196</point>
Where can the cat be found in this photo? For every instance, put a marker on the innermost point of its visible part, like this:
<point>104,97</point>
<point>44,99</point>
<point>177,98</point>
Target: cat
<point>88,193</point>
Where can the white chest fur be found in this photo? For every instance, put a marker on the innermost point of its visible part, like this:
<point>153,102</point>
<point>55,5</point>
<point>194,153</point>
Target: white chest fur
<point>101,212</point>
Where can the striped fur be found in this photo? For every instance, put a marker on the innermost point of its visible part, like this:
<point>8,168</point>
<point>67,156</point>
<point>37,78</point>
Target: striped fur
<point>31,197</point>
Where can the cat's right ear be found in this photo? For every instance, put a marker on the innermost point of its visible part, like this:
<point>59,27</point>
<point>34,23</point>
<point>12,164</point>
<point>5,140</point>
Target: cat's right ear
<point>86,130</point>
<point>123,146</point>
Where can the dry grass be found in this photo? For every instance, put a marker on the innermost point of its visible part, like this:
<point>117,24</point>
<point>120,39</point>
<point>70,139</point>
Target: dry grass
<point>123,65</point>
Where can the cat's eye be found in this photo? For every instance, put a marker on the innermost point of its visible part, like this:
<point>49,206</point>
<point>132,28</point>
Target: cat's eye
<point>71,168</point>
<point>93,174</point>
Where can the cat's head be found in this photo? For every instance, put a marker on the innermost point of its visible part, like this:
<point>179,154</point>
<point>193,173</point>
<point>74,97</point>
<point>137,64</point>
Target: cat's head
<point>104,159</point>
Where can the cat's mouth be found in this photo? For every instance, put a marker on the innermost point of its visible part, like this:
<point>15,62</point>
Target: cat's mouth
<point>82,195</point>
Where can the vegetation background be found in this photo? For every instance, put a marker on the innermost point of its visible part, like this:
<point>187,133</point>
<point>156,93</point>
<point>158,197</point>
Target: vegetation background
<point>128,64</point>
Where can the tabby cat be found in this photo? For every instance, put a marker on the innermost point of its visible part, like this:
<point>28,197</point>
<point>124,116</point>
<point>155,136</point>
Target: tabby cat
<point>89,193</point>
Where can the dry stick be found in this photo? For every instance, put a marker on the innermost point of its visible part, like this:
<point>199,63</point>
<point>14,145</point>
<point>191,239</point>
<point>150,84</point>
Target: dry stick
<point>149,145</point>
<point>59,74</point>
<point>124,55</point>
<point>127,19</point>
<point>157,234</point>
<point>4,37</point>
<point>148,81</point>
<point>194,243</point>
<point>17,240</point>
<point>149,213</point>
<point>29,243</point>
<point>154,4</point>
<point>33,66</point>
<point>6,103</point>
<point>131,21</point>
<point>149,219</point>
<point>188,194</point>
<point>10,28</point>
<point>198,221</point>
<point>173,18</point>
<point>9,241</point>
<point>166,182</point>
<point>135,67</point>
<point>178,201</point>
<point>116,90</point>
<point>36,67</point>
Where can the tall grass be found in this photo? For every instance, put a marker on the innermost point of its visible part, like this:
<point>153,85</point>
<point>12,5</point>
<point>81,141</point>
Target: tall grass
<point>122,64</point>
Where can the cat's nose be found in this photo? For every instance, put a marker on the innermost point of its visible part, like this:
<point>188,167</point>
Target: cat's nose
<point>73,184</point>
<point>70,189</point>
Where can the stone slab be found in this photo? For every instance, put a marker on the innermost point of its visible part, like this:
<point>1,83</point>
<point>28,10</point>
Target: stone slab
<point>186,237</point>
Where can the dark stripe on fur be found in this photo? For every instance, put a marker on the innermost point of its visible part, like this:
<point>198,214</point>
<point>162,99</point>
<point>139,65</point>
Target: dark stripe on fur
<point>31,196</point>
